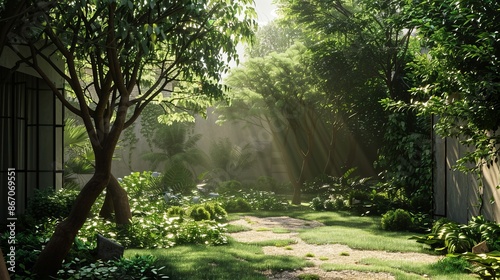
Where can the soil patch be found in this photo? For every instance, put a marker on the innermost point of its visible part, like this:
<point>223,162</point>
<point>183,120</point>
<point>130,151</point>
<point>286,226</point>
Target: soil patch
<point>287,228</point>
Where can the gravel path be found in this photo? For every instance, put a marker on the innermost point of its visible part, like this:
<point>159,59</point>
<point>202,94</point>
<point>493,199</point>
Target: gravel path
<point>320,254</point>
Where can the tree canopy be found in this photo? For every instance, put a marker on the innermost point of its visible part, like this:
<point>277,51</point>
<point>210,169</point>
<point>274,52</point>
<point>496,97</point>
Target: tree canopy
<point>134,53</point>
<point>458,72</point>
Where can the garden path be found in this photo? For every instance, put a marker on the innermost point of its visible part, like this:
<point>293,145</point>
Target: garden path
<point>287,228</point>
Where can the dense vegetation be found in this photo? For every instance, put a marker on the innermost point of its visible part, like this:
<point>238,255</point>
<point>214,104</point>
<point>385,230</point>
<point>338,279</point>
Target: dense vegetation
<point>345,89</point>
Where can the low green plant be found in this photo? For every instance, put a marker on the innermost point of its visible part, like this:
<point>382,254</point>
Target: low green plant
<point>451,264</point>
<point>451,237</point>
<point>334,203</point>
<point>203,232</point>
<point>229,187</point>
<point>137,267</point>
<point>487,266</point>
<point>267,201</point>
<point>317,204</point>
<point>176,211</point>
<point>198,213</point>
<point>396,220</point>
<point>48,203</point>
<point>237,204</point>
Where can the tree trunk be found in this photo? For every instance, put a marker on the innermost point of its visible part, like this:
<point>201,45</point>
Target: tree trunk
<point>296,199</point>
<point>4,273</point>
<point>116,200</point>
<point>50,259</point>
<point>107,207</point>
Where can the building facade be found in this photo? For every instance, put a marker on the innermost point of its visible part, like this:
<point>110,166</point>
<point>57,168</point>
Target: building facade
<point>31,132</point>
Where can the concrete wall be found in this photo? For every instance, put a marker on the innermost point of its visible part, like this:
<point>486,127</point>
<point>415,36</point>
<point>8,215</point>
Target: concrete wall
<point>268,159</point>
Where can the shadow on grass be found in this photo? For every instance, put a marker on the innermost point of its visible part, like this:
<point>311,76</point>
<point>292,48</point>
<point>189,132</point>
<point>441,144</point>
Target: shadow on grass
<point>232,261</point>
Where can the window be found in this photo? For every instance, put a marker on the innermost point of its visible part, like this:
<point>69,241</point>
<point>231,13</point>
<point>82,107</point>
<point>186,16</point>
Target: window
<point>31,138</point>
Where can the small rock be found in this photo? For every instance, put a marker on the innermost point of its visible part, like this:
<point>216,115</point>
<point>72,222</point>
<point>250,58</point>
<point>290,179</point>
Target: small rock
<point>108,249</point>
<point>480,248</point>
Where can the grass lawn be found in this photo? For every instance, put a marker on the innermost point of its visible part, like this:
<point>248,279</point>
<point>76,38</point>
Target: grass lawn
<point>237,260</point>
<point>232,261</point>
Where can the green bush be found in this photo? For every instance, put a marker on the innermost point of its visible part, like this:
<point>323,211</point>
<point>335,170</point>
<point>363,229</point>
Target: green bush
<point>334,203</point>
<point>317,204</point>
<point>48,203</point>
<point>451,237</point>
<point>202,232</point>
<point>396,220</point>
<point>198,213</point>
<point>217,212</point>
<point>176,211</point>
<point>229,187</point>
<point>238,204</point>
<point>267,201</point>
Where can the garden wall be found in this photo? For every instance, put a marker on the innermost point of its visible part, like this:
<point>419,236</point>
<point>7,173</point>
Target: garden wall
<point>460,196</point>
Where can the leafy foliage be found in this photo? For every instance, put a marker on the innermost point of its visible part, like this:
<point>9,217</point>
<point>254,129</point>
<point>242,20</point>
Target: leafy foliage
<point>227,160</point>
<point>47,203</point>
<point>396,220</point>
<point>487,266</point>
<point>455,238</point>
<point>138,267</point>
<point>407,161</point>
<point>457,74</point>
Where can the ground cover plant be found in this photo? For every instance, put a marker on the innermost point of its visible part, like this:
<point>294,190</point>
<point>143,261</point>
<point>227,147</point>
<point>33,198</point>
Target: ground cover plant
<point>156,222</point>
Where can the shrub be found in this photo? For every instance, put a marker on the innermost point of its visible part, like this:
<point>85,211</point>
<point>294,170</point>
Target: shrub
<point>317,204</point>
<point>237,204</point>
<point>334,203</point>
<point>198,213</point>
<point>203,232</point>
<point>229,187</point>
<point>217,212</point>
<point>396,220</point>
<point>48,203</point>
<point>268,201</point>
<point>175,211</point>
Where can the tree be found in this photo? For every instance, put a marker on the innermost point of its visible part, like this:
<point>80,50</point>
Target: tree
<point>361,50</point>
<point>458,73</point>
<point>122,42</point>
<point>279,91</point>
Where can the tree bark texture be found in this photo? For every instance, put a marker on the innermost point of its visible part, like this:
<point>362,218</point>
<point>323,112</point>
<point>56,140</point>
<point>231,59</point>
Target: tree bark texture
<point>116,200</point>
<point>50,259</point>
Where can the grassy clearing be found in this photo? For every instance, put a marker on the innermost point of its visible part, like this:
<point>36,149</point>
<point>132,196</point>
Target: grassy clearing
<point>246,260</point>
<point>363,239</point>
<point>342,226</point>
<point>232,261</point>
